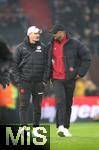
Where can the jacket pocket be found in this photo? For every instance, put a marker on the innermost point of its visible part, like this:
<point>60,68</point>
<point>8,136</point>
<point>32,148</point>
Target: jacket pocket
<point>72,72</point>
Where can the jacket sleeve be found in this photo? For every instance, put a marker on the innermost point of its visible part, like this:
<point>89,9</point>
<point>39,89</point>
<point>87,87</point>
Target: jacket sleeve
<point>84,55</point>
<point>45,76</point>
<point>15,67</point>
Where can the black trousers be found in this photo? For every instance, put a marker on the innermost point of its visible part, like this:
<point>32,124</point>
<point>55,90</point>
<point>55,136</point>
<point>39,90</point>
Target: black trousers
<point>25,92</point>
<point>64,93</point>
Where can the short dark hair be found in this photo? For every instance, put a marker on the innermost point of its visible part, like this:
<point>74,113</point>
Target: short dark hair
<point>56,28</point>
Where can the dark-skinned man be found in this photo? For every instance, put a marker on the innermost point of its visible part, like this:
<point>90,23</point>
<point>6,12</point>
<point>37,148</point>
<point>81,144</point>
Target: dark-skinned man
<point>68,60</point>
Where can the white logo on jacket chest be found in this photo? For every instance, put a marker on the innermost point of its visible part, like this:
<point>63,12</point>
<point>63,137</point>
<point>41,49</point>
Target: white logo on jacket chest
<point>38,49</point>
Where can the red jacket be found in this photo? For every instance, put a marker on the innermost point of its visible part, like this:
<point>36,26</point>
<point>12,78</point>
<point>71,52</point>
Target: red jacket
<point>58,66</point>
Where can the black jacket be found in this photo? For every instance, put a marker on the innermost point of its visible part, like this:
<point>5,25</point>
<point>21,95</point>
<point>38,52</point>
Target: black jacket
<point>5,63</point>
<point>76,56</point>
<point>29,62</point>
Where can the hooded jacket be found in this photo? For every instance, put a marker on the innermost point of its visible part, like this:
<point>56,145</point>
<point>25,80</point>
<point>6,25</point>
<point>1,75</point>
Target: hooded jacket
<point>77,58</point>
